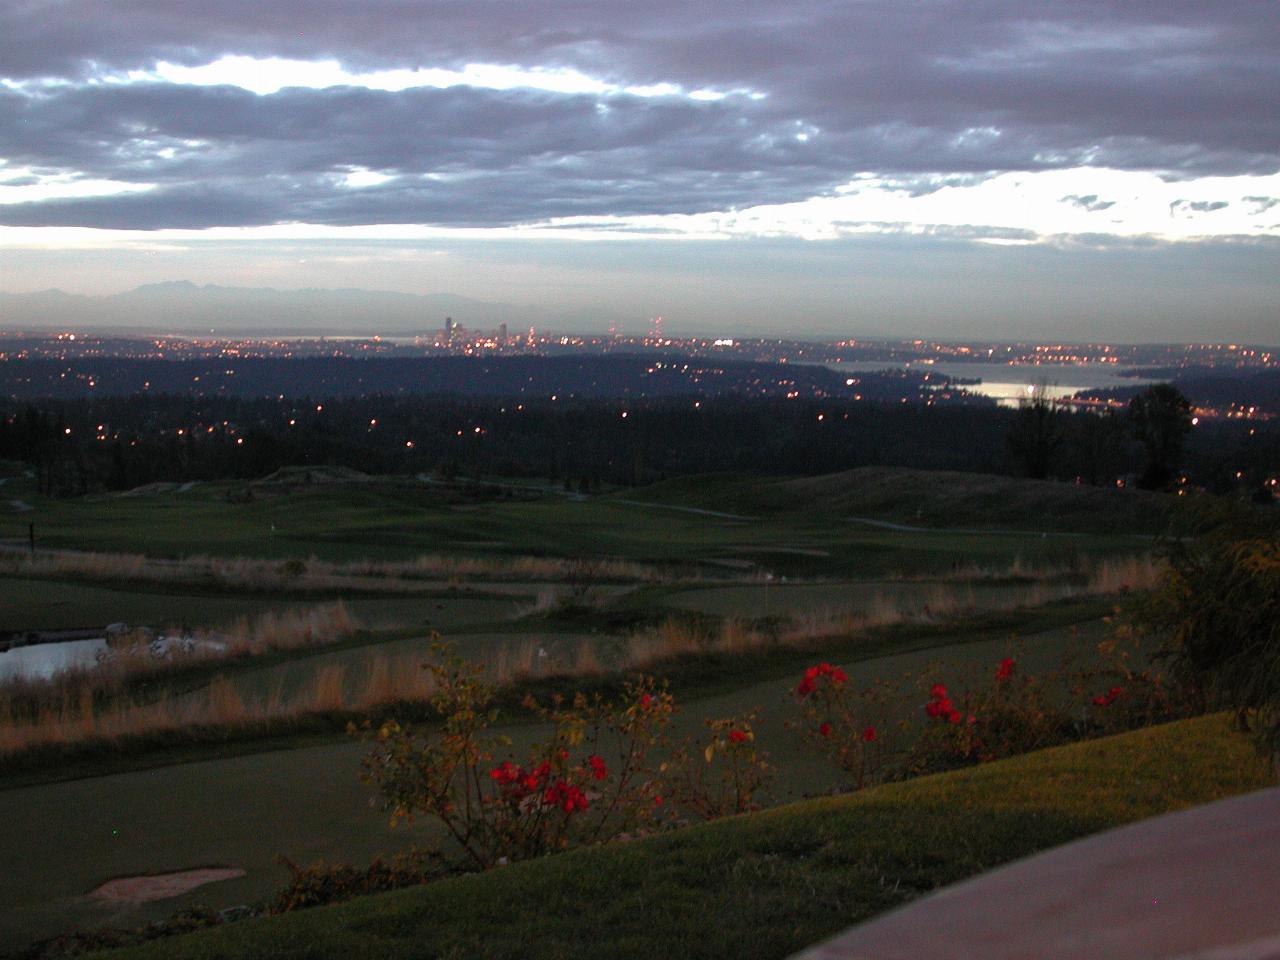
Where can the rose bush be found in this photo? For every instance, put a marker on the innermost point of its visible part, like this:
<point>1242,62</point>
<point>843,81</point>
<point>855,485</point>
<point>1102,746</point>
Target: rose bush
<point>589,781</point>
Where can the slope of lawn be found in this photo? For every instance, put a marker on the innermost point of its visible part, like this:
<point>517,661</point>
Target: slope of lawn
<point>927,498</point>
<point>765,885</point>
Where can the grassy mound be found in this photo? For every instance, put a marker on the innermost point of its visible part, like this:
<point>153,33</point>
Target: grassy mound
<point>929,498</point>
<point>765,885</point>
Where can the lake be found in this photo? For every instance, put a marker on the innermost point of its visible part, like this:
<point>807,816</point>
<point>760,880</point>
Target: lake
<point>1008,383</point>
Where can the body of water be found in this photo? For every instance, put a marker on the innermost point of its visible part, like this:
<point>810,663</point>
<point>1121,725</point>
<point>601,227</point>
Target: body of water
<point>41,661</point>
<point>1009,383</point>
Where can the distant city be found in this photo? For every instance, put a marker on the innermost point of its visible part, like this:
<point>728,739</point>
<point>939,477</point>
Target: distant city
<point>1226,380</point>
<point>453,338</point>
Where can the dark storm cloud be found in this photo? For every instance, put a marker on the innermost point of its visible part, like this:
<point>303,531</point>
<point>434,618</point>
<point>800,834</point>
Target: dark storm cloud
<point>921,92</point>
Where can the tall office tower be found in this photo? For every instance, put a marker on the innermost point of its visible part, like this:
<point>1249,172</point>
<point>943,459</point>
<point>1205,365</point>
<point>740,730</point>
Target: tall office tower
<point>449,328</point>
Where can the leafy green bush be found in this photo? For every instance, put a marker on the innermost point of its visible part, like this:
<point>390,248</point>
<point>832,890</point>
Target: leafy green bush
<point>1217,613</point>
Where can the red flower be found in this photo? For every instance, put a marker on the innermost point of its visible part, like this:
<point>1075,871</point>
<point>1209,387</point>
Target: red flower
<point>954,717</point>
<point>646,700</point>
<point>737,736</point>
<point>805,687</point>
<point>824,729</point>
<point>566,796</point>
<point>839,677</point>
<point>1108,698</point>
<point>1005,670</point>
<point>939,707</point>
<point>598,770</point>
<point>868,735</point>
<point>657,800</point>
<point>506,773</point>
<point>938,691</point>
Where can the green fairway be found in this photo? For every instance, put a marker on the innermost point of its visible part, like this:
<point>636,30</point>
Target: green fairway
<point>860,596</point>
<point>768,884</point>
<point>27,604</point>
<point>386,521</point>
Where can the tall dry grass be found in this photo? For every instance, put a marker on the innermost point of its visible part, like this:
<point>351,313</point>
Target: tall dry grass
<point>68,713</point>
<point>313,575</point>
<point>137,655</point>
<point>75,716</point>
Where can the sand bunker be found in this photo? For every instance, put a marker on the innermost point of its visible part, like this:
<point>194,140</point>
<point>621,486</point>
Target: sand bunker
<point>161,886</point>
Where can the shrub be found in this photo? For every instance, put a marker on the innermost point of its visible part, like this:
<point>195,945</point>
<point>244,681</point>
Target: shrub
<point>1008,714</point>
<point>850,726</point>
<point>589,781</point>
<point>721,776</point>
<point>1012,714</point>
<point>1216,612</point>
<point>321,883</point>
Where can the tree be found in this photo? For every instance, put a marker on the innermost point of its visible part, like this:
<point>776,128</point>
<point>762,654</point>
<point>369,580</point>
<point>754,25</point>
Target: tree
<point>1036,434</point>
<point>1161,418</point>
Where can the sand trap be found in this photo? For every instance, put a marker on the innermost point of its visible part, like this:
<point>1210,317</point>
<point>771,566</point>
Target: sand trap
<point>161,886</point>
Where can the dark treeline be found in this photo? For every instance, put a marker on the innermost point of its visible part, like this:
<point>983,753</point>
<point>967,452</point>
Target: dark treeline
<point>1208,387</point>
<point>77,446</point>
<point>579,375</point>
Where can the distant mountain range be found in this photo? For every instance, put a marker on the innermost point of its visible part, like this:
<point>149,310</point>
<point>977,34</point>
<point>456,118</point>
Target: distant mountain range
<point>184,307</point>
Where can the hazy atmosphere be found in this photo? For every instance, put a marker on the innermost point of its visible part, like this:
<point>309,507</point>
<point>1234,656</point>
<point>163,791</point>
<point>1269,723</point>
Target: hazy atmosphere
<point>1082,169</point>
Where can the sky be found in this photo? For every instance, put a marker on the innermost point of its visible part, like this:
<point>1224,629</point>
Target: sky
<point>1077,169</point>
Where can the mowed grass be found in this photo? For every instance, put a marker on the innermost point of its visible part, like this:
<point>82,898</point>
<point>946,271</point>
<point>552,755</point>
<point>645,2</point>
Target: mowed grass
<point>926,498</point>
<point>39,604</point>
<point>765,885</point>
<point>396,521</point>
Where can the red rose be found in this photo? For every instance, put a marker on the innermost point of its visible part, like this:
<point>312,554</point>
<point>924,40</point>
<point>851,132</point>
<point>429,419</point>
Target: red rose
<point>1005,670</point>
<point>938,691</point>
<point>868,734</point>
<point>598,769</point>
<point>824,729</point>
<point>737,736</point>
<point>506,773</point>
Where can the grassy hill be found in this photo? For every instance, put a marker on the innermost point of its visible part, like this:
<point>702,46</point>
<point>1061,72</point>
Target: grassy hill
<point>927,498</point>
<point>764,885</point>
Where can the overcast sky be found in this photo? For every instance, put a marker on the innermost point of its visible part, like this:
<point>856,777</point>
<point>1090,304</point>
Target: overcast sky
<point>1079,169</point>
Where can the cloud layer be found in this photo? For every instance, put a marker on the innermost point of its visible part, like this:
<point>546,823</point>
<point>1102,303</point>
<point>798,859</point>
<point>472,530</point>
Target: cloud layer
<point>624,110</point>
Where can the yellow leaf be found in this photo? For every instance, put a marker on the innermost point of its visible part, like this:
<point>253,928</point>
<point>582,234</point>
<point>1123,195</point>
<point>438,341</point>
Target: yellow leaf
<point>709,752</point>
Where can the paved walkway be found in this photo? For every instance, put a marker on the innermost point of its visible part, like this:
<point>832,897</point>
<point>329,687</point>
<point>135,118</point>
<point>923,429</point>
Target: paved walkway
<point>1202,884</point>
